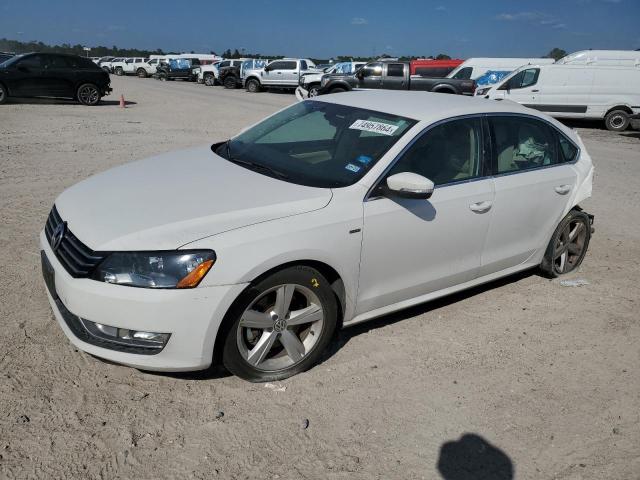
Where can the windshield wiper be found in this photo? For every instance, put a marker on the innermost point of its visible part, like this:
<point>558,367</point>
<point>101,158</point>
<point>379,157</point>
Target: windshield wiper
<point>257,167</point>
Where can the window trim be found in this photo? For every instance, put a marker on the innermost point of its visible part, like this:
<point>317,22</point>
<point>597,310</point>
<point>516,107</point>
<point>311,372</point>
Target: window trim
<point>488,165</point>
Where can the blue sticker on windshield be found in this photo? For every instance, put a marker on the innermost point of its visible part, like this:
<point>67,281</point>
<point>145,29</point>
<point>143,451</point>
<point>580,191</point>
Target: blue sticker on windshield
<point>352,167</point>
<point>364,159</point>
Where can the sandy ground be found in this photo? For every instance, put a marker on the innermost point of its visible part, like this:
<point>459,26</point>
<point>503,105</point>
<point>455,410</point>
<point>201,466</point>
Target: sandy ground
<point>523,375</point>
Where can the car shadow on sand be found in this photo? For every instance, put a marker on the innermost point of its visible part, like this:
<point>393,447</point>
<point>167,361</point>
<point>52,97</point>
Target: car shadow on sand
<point>62,101</point>
<point>473,458</point>
<point>343,336</point>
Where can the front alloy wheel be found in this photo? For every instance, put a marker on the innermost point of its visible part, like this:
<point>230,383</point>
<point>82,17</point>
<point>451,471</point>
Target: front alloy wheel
<point>313,90</point>
<point>285,324</point>
<point>88,94</point>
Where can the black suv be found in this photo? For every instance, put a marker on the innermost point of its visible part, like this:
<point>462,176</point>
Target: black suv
<point>53,75</point>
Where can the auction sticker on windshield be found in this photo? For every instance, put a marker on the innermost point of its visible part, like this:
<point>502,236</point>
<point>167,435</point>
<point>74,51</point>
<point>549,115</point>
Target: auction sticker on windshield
<point>374,127</point>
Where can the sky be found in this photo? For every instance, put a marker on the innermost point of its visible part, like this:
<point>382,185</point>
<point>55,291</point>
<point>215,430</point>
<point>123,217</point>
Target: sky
<point>327,28</point>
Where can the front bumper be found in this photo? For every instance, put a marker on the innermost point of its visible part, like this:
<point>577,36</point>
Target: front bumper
<point>191,316</point>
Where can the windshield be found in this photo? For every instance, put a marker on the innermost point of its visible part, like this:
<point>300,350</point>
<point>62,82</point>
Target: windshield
<point>317,144</point>
<point>11,61</point>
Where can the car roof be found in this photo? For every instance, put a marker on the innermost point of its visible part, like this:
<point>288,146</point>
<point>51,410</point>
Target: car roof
<point>423,106</point>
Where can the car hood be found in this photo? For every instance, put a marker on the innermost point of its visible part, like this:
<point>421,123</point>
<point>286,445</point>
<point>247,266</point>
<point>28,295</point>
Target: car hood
<point>167,201</point>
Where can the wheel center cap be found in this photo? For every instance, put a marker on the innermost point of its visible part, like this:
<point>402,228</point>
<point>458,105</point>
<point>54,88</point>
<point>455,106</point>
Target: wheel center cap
<point>279,324</point>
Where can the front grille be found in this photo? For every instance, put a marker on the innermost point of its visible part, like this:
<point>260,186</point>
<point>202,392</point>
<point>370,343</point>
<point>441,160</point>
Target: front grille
<point>77,259</point>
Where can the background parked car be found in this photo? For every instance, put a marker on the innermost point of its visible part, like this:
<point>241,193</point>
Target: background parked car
<point>310,82</point>
<point>473,68</point>
<point>611,94</point>
<point>210,74</point>
<point>433,68</point>
<point>178,68</point>
<point>284,73</point>
<point>394,75</point>
<point>53,75</point>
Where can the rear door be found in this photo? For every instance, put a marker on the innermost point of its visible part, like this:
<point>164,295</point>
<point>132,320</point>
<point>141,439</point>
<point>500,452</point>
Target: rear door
<point>534,178</point>
<point>289,73</point>
<point>59,75</point>
<point>395,76</point>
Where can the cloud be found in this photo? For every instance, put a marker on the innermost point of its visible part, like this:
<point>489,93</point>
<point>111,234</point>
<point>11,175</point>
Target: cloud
<point>441,8</point>
<point>533,18</point>
<point>359,21</point>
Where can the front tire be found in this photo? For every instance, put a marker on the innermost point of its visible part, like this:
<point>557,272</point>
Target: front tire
<point>230,82</point>
<point>253,86</point>
<point>88,94</point>
<point>568,245</point>
<point>314,90</point>
<point>617,120</point>
<point>280,326</point>
<point>209,80</point>
<point>142,73</point>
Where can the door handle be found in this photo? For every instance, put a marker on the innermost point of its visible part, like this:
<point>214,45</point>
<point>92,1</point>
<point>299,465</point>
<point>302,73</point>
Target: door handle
<point>481,207</point>
<point>535,91</point>
<point>563,189</point>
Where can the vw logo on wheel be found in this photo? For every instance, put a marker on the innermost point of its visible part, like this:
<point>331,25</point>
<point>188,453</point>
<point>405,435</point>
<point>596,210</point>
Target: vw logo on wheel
<point>279,325</point>
<point>58,235</point>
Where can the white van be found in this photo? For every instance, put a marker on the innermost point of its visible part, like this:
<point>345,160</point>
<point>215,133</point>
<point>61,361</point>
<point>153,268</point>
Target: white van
<point>619,58</point>
<point>473,68</point>
<point>611,94</point>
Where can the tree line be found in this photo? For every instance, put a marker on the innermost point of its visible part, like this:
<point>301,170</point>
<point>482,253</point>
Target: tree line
<point>16,46</point>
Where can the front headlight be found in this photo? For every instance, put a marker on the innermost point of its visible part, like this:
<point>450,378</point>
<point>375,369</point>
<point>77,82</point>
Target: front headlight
<point>483,91</point>
<point>174,269</point>
<point>324,81</point>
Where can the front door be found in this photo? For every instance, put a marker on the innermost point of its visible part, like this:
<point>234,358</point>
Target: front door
<point>58,75</point>
<point>371,76</point>
<point>414,247</point>
<point>521,88</point>
<point>26,77</point>
<point>534,180</point>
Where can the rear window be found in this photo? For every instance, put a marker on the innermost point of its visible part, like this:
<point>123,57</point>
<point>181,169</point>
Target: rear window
<point>433,72</point>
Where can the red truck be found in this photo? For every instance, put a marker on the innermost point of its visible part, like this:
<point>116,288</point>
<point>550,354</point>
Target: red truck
<point>426,67</point>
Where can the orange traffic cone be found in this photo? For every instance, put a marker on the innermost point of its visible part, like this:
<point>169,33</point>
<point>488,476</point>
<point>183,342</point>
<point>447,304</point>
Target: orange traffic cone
<point>122,104</point>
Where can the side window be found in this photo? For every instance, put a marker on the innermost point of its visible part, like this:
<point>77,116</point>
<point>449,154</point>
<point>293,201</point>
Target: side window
<point>224,64</point>
<point>276,65</point>
<point>289,65</point>
<point>33,61</point>
<point>447,153</point>
<point>372,70</point>
<point>568,150</point>
<point>395,70</point>
<point>464,73</point>
<point>522,144</point>
<point>303,65</point>
<point>57,62</point>
<point>525,78</point>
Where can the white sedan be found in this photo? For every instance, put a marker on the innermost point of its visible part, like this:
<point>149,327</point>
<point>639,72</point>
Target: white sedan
<point>253,251</point>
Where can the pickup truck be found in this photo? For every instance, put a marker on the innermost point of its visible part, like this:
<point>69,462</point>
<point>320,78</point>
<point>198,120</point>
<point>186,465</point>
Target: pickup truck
<point>310,82</point>
<point>134,66</point>
<point>284,73</point>
<point>178,68</point>
<point>232,77</point>
<point>210,74</point>
<point>392,75</point>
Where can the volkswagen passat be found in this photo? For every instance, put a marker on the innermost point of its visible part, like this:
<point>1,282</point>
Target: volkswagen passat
<point>331,212</point>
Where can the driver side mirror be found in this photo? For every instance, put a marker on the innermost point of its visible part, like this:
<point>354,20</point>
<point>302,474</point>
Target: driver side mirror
<point>409,185</point>
<point>505,86</point>
<point>360,74</point>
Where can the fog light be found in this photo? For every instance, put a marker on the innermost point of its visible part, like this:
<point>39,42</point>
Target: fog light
<point>126,336</point>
